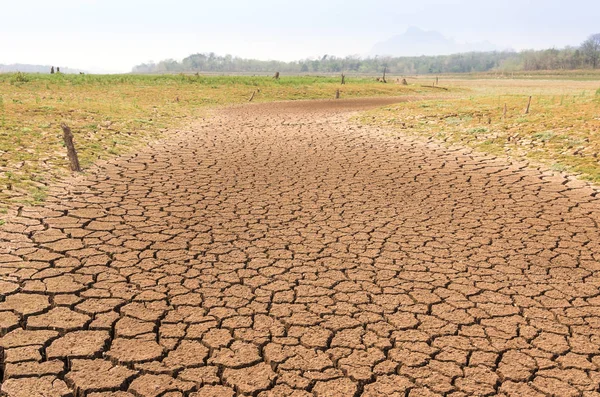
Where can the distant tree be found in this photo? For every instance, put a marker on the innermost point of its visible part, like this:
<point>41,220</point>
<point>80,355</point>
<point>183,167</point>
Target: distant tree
<point>586,55</point>
<point>57,69</point>
<point>591,49</point>
<point>52,70</point>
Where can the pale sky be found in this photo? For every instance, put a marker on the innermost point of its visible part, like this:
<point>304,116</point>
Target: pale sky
<point>115,35</point>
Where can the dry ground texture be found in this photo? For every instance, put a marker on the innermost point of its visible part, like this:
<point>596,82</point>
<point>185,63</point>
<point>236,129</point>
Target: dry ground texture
<point>280,249</point>
<point>112,115</point>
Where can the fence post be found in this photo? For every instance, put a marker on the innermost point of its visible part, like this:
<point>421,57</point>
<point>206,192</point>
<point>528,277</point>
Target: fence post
<point>528,105</point>
<point>71,152</point>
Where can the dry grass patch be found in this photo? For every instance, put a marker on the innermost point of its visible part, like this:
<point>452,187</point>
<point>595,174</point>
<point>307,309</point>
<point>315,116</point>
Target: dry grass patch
<point>562,131</point>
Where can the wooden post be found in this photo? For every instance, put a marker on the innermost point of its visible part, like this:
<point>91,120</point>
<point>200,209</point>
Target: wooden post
<point>437,80</point>
<point>276,77</point>
<point>343,79</point>
<point>252,97</point>
<point>528,105</point>
<point>337,94</point>
<point>68,137</point>
<point>384,70</point>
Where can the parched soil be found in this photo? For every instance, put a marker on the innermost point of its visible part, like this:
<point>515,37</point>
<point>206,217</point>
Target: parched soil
<point>279,250</point>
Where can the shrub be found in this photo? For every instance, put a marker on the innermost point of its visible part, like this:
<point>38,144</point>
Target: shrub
<point>19,77</point>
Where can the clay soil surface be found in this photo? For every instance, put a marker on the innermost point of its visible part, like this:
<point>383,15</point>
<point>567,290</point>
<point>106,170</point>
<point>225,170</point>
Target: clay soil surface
<point>280,250</point>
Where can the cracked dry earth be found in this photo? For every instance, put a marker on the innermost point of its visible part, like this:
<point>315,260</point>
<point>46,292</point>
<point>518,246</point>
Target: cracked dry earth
<point>279,250</point>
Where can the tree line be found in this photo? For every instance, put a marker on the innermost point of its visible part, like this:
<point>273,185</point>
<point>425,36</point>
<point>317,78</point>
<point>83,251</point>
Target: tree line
<point>587,55</point>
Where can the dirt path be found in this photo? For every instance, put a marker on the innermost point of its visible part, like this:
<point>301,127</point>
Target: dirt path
<point>278,250</point>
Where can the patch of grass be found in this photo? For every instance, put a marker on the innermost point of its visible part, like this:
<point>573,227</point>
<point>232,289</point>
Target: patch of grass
<point>453,120</point>
<point>38,195</point>
<point>19,77</point>
<point>544,136</point>
<point>559,167</point>
<point>477,130</point>
<point>598,92</point>
<point>562,129</point>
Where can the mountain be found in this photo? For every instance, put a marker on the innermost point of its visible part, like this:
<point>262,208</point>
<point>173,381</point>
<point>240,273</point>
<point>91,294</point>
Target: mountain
<point>18,67</point>
<point>417,42</point>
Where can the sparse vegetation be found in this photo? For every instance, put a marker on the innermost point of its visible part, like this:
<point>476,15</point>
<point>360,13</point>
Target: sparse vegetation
<point>562,129</point>
<point>19,77</point>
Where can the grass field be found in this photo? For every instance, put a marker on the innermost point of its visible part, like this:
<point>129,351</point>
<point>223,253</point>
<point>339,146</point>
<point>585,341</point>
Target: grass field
<point>561,130</point>
<point>112,114</point>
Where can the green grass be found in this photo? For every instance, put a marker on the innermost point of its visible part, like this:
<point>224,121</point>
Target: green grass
<point>477,130</point>
<point>544,136</point>
<point>559,167</point>
<point>210,81</point>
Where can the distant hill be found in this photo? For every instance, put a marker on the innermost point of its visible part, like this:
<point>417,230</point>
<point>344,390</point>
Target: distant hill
<point>18,67</point>
<point>417,42</point>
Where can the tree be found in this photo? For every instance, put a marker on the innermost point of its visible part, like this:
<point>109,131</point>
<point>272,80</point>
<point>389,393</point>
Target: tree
<point>591,49</point>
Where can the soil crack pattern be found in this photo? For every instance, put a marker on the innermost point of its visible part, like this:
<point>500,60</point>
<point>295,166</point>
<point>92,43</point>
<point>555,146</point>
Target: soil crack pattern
<point>280,250</point>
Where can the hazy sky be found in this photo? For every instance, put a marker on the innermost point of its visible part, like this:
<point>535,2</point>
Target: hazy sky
<point>114,35</point>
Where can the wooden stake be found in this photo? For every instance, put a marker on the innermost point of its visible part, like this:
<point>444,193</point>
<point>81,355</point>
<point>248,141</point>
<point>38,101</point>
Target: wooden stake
<point>384,70</point>
<point>252,97</point>
<point>71,152</point>
<point>343,79</point>
<point>437,80</point>
<point>528,105</point>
